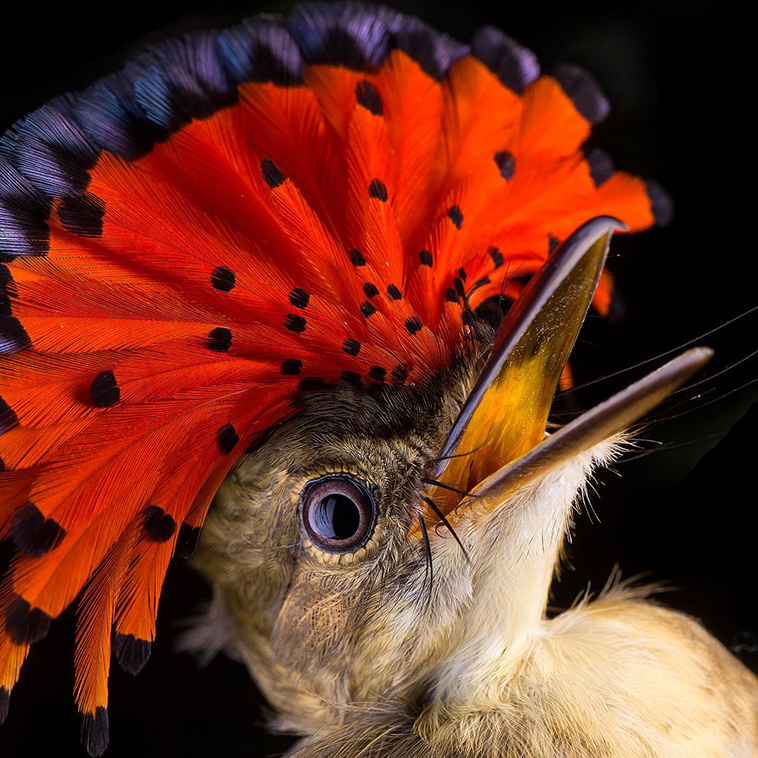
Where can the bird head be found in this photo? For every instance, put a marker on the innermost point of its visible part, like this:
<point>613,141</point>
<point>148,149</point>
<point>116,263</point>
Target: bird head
<point>264,269</point>
<point>395,549</point>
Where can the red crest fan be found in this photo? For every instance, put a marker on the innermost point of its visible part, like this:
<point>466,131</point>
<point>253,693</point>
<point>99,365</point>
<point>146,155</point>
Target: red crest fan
<point>238,218</point>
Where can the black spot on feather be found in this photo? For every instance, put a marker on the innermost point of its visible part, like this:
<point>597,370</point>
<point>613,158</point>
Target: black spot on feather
<point>24,624</point>
<point>219,339</point>
<point>34,534</point>
<point>377,373</point>
<point>223,279</point>
<point>426,258</point>
<point>299,298</point>
<point>584,92</point>
<point>8,290</point>
<point>511,62</point>
<point>506,164</point>
<point>368,97</point>
<point>413,324</point>
<point>394,293</point>
<point>294,323</point>
<point>131,652</point>
<point>601,166</point>
<point>8,418</point>
<point>434,52</point>
<point>458,284</point>
<point>455,215</point>
<point>22,232</point>
<point>13,336</point>
<point>112,119</point>
<point>370,289</point>
<point>159,525</point>
<point>359,37</point>
<point>378,190</point>
<point>356,257</point>
<point>227,438</point>
<point>497,257</point>
<point>271,174</point>
<point>351,346</point>
<point>5,701</point>
<point>52,150</point>
<point>181,79</point>
<point>339,34</point>
<point>82,215</point>
<point>94,731</point>
<point>400,373</point>
<point>187,540</point>
<point>450,295</point>
<point>23,210</point>
<point>291,366</point>
<point>104,390</point>
<point>261,50</point>
<point>367,309</point>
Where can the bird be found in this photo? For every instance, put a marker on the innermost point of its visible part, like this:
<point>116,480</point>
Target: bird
<point>292,299</point>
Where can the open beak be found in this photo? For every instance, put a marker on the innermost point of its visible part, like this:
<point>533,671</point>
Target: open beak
<point>498,443</point>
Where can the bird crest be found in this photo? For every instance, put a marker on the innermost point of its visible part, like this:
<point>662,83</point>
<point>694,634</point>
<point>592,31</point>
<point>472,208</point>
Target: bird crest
<point>234,220</point>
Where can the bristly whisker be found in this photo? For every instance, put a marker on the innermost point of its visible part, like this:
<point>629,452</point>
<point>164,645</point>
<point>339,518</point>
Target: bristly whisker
<point>657,357</point>
<point>665,446</point>
<point>444,520</point>
<point>456,455</point>
<point>450,487</point>
<point>705,405</point>
<point>508,277</point>
<point>711,377</point>
<point>429,571</point>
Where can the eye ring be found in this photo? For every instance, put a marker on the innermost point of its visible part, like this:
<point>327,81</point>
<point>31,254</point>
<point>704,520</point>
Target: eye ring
<point>338,513</point>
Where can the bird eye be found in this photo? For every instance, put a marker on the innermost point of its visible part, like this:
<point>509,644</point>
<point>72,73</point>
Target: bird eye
<point>338,513</point>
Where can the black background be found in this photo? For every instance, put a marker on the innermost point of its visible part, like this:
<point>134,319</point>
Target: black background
<point>679,75</point>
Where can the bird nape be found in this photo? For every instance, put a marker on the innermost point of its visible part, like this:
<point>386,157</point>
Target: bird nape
<point>309,285</point>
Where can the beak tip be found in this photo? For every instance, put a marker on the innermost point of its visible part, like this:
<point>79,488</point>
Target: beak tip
<point>609,224</point>
<point>705,352</point>
<point>696,358</point>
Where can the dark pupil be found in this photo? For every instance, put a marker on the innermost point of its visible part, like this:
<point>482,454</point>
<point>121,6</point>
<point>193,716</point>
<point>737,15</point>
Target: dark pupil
<point>337,517</point>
